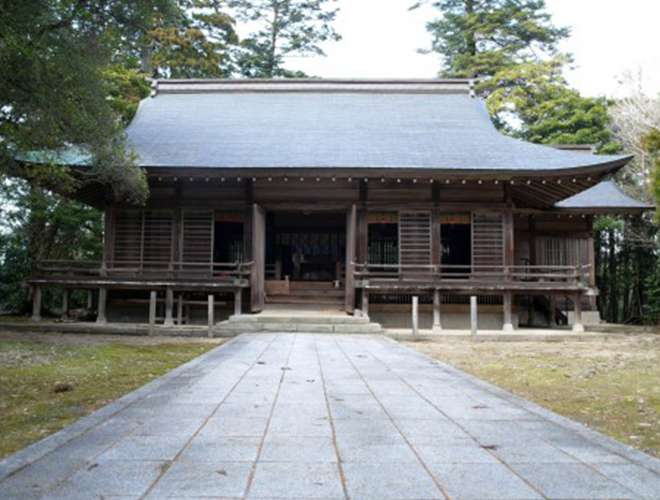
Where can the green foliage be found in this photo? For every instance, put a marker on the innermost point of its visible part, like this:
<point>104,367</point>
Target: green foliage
<point>52,87</point>
<point>651,143</point>
<point>125,88</point>
<point>652,309</point>
<point>197,42</point>
<point>533,101</point>
<point>482,37</point>
<point>283,28</point>
<point>39,224</point>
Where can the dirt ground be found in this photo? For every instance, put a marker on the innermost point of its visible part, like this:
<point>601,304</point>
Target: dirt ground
<point>612,385</point>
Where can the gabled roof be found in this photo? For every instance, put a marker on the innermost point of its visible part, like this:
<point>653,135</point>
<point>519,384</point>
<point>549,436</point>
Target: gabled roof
<point>603,197</point>
<point>351,124</point>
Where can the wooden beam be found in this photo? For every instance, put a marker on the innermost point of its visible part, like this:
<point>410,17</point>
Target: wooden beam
<point>415,315</point>
<point>238,306</point>
<point>578,326</point>
<point>507,300</point>
<point>36,303</point>
<point>474,318</point>
<point>66,300</point>
<point>211,314</point>
<point>437,319</point>
<point>103,300</point>
<point>153,295</point>
<point>169,306</point>
<point>365,303</point>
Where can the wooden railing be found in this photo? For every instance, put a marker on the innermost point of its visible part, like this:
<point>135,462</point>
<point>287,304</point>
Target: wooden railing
<point>397,274</point>
<point>143,270</point>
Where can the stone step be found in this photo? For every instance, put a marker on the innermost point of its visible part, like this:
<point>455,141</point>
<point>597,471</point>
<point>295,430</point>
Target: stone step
<point>312,285</point>
<point>305,299</point>
<point>235,328</point>
<point>304,320</point>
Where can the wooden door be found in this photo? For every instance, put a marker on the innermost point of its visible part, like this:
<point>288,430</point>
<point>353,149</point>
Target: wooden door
<point>351,231</point>
<point>257,277</point>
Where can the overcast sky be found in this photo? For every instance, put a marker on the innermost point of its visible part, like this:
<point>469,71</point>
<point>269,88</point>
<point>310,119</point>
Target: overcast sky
<point>609,37</point>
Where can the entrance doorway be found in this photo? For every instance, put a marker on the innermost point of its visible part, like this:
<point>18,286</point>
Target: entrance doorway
<point>308,247</point>
<point>456,243</point>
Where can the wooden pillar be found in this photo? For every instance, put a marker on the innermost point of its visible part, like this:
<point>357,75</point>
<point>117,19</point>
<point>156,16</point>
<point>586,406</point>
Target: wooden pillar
<point>437,321</point>
<point>578,326</point>
<point>365,303</point>
<point>66,299</point>
<point>90,300</point>
<point>474,318</point>
<point>238,304</point>
<point>553,310</point>
<point>153,295</point>
<point>36,303</point>
<point>179,310</point>
<point>211,314</point>
<point>507,301</point>
<point>363,225</point>
<point>103,300</point>
<point>509,248</point>
<point>349,295</point>
<point>169,306</point>
<point>109,235</point>
<point>415,315</point>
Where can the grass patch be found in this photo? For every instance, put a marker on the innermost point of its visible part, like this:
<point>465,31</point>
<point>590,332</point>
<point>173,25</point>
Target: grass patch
<point>89,376</point>
<point>612,386</point>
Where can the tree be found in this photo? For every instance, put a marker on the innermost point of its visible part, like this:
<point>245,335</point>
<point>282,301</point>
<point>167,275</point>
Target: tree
<point>53,91</point>
<point>196,42</point>
<point>482,37</point>
<point>283,28</point>
<point>534,102</point>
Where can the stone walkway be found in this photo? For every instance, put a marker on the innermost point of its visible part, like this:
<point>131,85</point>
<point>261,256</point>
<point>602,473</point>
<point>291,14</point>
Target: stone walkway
<point>325,417</point>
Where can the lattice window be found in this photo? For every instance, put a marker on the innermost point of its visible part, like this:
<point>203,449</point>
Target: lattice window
<point>197,236</point>
<point>415,238</point>
<point>158,237</point>
<point>487,241</point>
<point>128,238</point>
<point>558,251</point>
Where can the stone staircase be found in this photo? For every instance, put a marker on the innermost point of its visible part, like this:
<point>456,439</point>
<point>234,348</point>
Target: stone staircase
<point>266,322</point>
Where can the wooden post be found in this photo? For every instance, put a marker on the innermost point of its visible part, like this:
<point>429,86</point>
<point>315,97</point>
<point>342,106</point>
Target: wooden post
<point>238,304</point>
<point>415,315</point>
<point>103,299</point>
<point>66,296</point>
<point>365,303</point>
<point>211,314</point>
<point>437,321</point>
<point>278,269</point>
<point>169,306</point>
<point>553,311</point>
<point>578,326</point>
<point>36,303</point>
<point>179,310</point>
<point>507,300</point>
<point>473,315</point>
<point>90,300</point>
<point>153,295</point>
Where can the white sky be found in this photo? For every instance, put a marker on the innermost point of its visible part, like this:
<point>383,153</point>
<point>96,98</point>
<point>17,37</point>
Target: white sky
<point>609,37</point>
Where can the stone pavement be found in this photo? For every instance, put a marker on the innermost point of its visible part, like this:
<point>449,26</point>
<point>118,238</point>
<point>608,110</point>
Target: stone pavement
<point>284,416</point>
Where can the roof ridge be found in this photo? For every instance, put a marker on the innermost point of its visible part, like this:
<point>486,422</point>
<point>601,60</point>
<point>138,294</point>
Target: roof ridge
<point>329,85</point>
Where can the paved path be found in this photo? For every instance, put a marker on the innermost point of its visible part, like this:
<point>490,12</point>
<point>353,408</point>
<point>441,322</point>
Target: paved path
<point>325,417</point>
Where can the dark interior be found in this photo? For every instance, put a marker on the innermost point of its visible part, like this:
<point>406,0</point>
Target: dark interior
<point>228,242</point>
<point>384,243</point>
<point>308,246</point>
<point>456,246</point>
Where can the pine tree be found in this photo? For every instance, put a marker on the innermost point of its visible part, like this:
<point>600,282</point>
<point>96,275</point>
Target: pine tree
<point>284,28</point>
<point>482,37</point>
